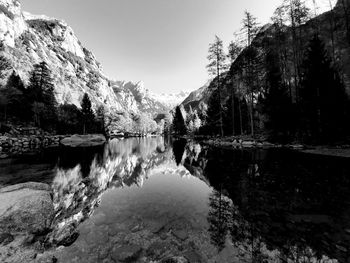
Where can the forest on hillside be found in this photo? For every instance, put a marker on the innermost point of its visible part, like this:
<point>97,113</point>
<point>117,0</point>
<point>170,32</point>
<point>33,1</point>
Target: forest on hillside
<point>287,80</point>
<point>35,104</point>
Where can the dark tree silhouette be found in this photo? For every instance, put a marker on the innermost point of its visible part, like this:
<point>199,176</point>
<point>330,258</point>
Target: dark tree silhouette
<point>179,124</point>
<point>178,150</point>
<point>277,104</point>
<point>69,117</point>
<point>324,100</point>
<point>88,116</point>
<point>41,95</point>
<point>234,115</point>
<point>213,119</point>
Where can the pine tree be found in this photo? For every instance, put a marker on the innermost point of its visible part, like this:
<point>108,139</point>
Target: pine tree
<point>324,100</point>
<point>234,50</point>
<point>88,116</point>
<point>217,65</point>
<point>101,119</point>
<point>277,104</point>
<point>214,117</point>
<point>251,29</point>
<point>41,92</point>
<point>179,124</point>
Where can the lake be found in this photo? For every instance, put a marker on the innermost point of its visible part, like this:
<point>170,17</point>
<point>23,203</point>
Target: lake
<point>165,200</point>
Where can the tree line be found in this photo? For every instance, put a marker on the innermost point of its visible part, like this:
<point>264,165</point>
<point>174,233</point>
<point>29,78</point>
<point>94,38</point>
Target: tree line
<point>36,104</point>
<point>283,81</point>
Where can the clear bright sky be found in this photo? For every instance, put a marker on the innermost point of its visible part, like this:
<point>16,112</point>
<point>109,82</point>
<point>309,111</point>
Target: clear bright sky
<point>161,42</point>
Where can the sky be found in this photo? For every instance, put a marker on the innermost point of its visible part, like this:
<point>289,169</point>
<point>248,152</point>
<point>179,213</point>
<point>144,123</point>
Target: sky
<point>163,43</point>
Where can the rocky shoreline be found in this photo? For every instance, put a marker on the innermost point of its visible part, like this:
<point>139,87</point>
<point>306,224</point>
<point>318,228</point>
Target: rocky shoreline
<point>12,146</point>
<point>26,215</point>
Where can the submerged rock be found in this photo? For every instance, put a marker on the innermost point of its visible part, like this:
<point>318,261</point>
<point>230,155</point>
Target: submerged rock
<point>127,253</point>
<point>26,208</point>
<point>89,140</point>
<point>6,238</point>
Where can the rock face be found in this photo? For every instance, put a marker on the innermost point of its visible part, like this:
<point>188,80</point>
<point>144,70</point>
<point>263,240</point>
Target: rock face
<point>12,23</point>
<point>90,140</point>
<point>26,208</point>
<point>29,39</point>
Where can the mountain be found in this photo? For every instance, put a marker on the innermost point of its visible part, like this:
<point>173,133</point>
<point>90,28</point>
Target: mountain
<point>200,95</point>
<point>30,39</point>
<point>267,38</point>
<point>170,100</point>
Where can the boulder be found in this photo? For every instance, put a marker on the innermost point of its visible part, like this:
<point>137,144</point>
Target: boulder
<point>89,140</point>
<point>26,208</point>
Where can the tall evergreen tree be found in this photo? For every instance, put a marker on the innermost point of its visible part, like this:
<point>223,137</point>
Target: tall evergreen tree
<point>214,117</point>
<point>324,100</point>
<point>277,104</point>
<point>234,50</point>
<point>250,30</point>
<point>217,65</point>
<point>88,116</point>
<point>233,117</point>
<point>179,124</point>
<point>17,104</point>
<point>41,92</point>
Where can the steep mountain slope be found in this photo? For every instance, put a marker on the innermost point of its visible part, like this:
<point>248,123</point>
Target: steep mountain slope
<point>321,24</point>
<point>29,39</point>
<point>200,95</point>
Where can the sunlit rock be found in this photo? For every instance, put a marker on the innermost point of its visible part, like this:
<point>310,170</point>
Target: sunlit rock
<point>90,140</point>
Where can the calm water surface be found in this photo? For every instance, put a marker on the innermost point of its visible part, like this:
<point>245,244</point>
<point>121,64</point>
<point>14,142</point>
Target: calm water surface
<point>158,200</point>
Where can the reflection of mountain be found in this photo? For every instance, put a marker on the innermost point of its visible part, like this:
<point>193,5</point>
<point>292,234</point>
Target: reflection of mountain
<point>285,205</point>
<point>123,162</point>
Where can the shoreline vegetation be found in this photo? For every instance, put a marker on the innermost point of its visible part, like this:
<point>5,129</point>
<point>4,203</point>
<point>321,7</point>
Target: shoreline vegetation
<point>247,142</point>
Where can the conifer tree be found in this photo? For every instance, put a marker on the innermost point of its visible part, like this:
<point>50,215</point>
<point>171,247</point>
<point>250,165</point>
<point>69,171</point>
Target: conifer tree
<point>251,29</point>
<point>234,50</point>
<point>324,100</point>
<point>41,94</point>
<point>217,65</point>
<point>276,104</point>
<point>179,124</point>
<point>88,116</point>
<point>214,117</point>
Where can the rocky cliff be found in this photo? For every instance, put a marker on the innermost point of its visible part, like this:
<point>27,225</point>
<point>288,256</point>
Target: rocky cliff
<point>29,39</point>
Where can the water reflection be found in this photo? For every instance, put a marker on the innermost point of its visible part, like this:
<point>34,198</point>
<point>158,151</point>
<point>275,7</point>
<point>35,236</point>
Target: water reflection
<point>259,205</point>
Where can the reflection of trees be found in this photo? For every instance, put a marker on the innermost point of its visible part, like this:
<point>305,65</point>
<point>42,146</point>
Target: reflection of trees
<point>286,201</point>
<point>178,150</point>
<point>219,219</point>
<point>124,162</point>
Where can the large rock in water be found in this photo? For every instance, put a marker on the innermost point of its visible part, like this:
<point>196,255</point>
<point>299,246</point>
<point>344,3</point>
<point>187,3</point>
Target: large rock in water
<point>89,140</point>
<point>26,208</point>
